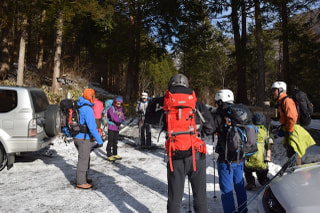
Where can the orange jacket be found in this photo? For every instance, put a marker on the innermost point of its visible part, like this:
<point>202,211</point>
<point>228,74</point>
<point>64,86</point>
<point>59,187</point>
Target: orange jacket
<point>289,114</point>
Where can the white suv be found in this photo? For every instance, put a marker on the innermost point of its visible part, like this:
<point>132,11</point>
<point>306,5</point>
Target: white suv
<point>27,122</point>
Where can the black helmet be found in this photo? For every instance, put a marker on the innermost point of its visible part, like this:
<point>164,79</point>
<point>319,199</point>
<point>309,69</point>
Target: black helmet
<point>179,80</point>
<point>259,118</point>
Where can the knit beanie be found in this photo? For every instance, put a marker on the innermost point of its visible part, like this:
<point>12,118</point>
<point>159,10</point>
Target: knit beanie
<point>89,94</point>
<point>119,99</point>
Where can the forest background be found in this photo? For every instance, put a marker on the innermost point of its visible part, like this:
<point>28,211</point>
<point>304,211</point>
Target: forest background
<point>130,46</point>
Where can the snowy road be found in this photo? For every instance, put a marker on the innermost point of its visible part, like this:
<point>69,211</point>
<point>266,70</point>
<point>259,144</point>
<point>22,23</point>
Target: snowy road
<point>44,181</point>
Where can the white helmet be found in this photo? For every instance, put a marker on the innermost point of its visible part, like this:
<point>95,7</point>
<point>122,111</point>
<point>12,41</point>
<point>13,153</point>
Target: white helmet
<point>224,95</point>
<point>144,95</point>
<point>280,85</point>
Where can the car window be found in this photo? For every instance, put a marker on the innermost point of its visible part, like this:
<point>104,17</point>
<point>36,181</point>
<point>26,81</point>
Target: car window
<point>8,100</point>
<point>40,101</point>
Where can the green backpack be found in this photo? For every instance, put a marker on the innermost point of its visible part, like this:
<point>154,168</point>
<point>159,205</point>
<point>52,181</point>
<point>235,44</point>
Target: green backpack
<point>256,161</point>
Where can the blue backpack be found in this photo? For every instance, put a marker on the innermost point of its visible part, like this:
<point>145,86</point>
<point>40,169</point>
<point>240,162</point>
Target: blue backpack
<point>107,105</point>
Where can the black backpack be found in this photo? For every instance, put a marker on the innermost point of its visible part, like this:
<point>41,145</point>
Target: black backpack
<point>70,118</point>
<point>242,134</point>
<point>304,107</point>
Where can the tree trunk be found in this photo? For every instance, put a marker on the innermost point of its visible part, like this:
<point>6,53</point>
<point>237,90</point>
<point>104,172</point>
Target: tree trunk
<point>260,55</point>
<point>240,52</point>
<point>57,55</point>
<point>40,53</point>
<point>22,51</point>
<point>134,57</point>
<point>5,65</point>
<point>285,42</point>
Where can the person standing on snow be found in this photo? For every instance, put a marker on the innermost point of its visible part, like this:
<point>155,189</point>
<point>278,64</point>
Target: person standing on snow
<point>296,139</point>
<point>115,119</point>
<point>97,109</point>
<point>230,169</point>
<point>258,162</point>
<point>82,140</point>
<point>182,161</point>
<point>144,128</point>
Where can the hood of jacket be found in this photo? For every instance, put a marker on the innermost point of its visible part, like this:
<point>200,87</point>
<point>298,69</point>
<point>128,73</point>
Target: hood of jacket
<point>83,101</point>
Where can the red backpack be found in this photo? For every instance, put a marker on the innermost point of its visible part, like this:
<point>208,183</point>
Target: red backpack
<point>180,111</point>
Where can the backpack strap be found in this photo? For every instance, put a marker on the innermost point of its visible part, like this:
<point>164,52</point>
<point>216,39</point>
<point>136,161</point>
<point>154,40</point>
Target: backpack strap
<point>111,122</point>
<point>281,103</point>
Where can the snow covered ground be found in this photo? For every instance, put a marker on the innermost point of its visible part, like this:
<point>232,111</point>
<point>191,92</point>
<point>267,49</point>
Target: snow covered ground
<point>44,181</point>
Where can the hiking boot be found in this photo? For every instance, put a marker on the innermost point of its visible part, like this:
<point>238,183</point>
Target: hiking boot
<point>111,158</point>
<point>116,157</point>
<point>84,186</point>
<point>264,181</point>
<point>250,186</point>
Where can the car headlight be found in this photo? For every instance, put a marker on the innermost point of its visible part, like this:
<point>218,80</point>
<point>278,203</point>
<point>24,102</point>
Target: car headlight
<point>270,202</point>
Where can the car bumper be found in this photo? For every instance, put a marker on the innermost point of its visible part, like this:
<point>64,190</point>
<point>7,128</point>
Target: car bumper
<point>15,145</point>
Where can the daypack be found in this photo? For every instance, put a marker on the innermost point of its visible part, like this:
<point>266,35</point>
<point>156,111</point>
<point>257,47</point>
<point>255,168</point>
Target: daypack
<point>107,105</point>
<point>241,133</point>
<point>257,160</point>
<point>70,118</point>
<point>304,107</point>
<point>180,111</point>
<point>154,112</point>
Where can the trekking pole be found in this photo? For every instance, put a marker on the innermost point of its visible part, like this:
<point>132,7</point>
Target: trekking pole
<point>189,197</point>
<point>214,177</point>
<point>214,169</point>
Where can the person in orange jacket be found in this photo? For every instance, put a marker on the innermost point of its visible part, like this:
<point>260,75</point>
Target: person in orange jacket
<point>288,115</point>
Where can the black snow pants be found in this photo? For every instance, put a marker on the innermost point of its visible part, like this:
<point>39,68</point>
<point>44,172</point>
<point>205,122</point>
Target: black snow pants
<point>176,181</point>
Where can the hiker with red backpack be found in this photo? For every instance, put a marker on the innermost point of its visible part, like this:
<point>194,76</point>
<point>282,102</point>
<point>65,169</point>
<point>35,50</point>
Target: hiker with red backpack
<point>296,139</point>
<point>82,139</point>
<point>185,149</point>
<point>230,163</point>
<point>115,119</point>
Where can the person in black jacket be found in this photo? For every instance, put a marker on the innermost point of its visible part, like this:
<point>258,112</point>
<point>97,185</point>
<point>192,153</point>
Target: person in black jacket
<point>182,161</point>
<point>230,167</point>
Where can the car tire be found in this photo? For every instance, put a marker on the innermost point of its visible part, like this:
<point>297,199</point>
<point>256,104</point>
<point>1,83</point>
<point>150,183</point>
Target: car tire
<point>3,158</point>
<point>53,120</point>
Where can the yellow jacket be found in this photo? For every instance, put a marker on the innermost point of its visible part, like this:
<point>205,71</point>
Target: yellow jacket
<point>300,140</point>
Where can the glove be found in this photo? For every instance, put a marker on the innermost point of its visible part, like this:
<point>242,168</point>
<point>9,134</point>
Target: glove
<point>96,145</point>
<point>121,126</point>
<point>281,133</point>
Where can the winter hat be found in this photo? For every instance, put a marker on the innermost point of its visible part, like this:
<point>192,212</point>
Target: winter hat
<point>144,95</point>
<point>89,94</point>
<point>119,99</point>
